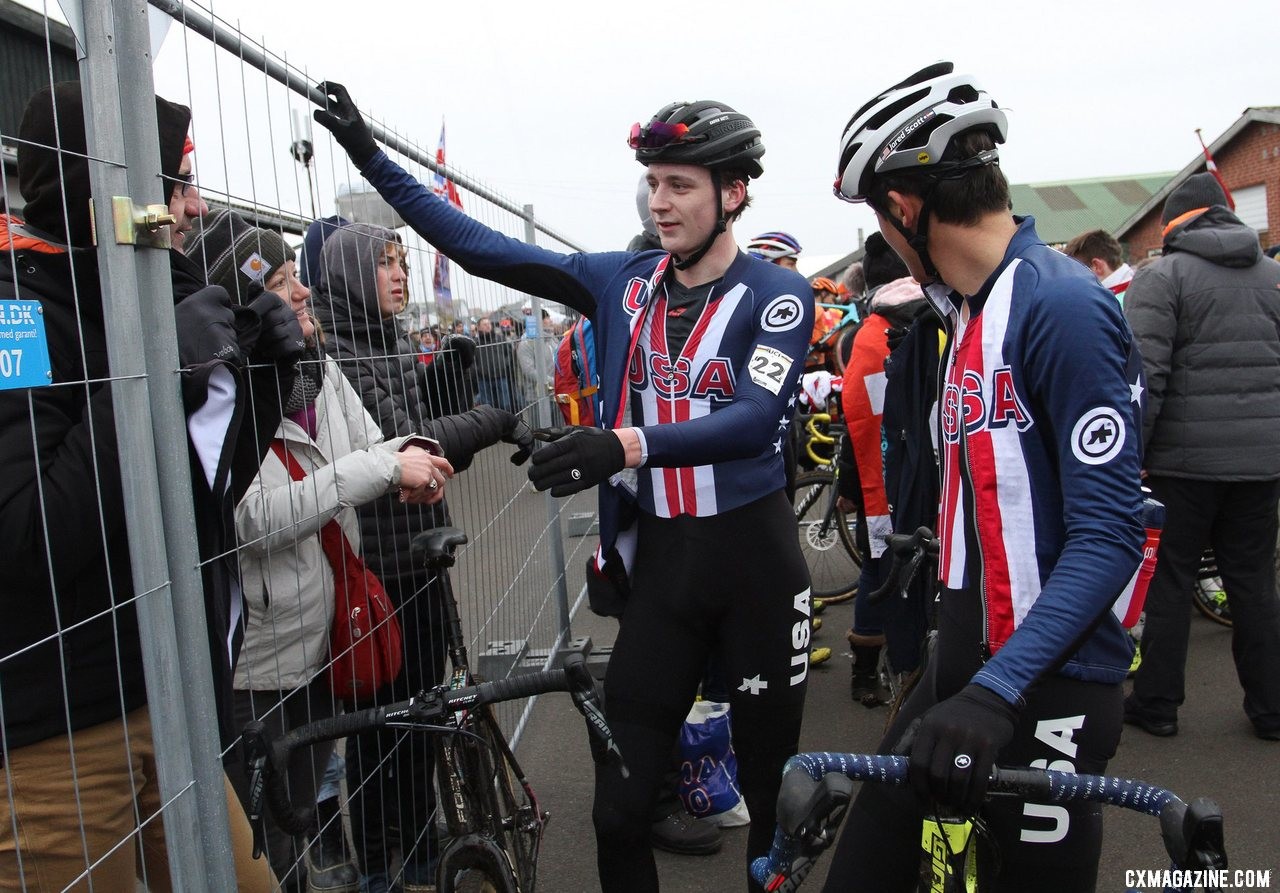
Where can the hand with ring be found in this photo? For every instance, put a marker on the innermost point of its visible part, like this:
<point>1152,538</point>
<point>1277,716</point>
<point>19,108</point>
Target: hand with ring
<point>422,476</point>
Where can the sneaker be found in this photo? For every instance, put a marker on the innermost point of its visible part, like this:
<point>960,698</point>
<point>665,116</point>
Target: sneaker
<point>819,655</point>
<point>1161,728</point>
<point>685,835</point>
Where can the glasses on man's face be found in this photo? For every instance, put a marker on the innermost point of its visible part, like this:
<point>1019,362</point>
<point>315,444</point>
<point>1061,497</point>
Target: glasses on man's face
<point>657,134</point>
<point>183,182</point>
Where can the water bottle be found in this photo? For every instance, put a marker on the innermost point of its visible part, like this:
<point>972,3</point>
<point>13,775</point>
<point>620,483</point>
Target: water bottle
<point>1153,521</point>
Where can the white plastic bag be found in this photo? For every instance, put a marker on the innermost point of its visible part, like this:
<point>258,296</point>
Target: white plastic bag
<point>708,768</point>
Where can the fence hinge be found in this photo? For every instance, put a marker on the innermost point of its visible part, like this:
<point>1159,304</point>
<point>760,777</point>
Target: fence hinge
<point>147,226</point>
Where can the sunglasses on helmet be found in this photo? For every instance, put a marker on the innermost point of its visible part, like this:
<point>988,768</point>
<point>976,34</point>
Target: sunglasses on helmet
<point>657,134</point>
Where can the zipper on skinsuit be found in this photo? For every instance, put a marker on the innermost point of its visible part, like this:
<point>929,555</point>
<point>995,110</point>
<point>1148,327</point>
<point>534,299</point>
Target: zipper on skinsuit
<point>967,491</point>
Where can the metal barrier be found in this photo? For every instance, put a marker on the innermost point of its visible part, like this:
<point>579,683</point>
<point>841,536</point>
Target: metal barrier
<point>118,561</point>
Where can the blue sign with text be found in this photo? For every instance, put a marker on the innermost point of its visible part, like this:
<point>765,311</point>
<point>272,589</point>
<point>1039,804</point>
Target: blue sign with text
<point>24,350</point>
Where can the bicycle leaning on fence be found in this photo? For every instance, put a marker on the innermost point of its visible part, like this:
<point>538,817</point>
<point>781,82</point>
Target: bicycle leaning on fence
<point>492,816</point>
<point>817,789</point>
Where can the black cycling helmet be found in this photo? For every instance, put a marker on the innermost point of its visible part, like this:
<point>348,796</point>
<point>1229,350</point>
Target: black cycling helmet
<point>705,133</point>
<point>709,134</point>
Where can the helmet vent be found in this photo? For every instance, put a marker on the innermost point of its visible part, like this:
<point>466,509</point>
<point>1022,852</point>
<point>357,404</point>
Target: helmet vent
<point>962,94</point>
<point>890,111</point>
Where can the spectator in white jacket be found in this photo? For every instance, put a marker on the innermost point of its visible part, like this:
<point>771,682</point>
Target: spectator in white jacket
<point>288,580</point>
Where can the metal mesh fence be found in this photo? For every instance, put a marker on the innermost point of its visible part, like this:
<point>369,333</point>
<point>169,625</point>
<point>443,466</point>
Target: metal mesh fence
<point>155,527</point>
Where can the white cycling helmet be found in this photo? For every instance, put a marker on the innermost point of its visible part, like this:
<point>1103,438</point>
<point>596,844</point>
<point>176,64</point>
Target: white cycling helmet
<point>909,126</point>
<point>773,246</point>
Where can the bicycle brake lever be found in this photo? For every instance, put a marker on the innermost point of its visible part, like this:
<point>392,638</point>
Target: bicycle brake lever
<point>599,728</point>
<point>256,766</point>
<point>807,810</point>
<point>587,700</point>
<point>1192,834</point>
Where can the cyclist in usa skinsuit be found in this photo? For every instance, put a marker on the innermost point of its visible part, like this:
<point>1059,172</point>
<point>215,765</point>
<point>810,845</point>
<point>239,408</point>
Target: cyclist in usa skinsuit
<point>702,347</point>
<point>1039,523</point>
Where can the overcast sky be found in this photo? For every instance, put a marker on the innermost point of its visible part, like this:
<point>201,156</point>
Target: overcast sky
<point>539,96</point>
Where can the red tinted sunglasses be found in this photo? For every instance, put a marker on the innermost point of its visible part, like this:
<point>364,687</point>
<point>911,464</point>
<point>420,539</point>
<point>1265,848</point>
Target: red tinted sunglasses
<point>657,134</point>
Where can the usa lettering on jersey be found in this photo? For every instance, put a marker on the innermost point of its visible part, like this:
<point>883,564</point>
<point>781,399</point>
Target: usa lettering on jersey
<point>970,405</point>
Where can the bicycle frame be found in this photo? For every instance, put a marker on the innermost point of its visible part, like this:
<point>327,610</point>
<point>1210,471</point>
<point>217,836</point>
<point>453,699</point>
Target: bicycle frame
<point>494,822</point>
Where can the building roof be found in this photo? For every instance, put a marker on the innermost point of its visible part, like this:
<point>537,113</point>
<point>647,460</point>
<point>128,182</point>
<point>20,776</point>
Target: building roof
<point>1269,114</point>
<point>1065,209</point>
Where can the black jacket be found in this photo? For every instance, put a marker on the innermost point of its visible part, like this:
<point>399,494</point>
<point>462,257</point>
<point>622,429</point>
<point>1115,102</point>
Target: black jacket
<point>1207,320</point>
<point>62,531</point>
<point>402,394</point>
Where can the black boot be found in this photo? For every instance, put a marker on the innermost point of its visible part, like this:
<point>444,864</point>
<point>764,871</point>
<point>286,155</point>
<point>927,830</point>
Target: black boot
<point>864,680</point>
<point>329,868</point>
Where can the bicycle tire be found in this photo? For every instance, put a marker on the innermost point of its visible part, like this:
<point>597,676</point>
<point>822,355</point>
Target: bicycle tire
<point>829,549</point>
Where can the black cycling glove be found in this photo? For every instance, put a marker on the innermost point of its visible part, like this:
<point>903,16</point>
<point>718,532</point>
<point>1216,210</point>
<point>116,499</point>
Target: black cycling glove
<point>956,744</point>
<point>341,118</point>
<point>575,458</point>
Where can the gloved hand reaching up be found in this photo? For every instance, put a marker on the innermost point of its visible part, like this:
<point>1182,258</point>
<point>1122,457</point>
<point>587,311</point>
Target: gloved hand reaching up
<point>575,458</point>
<point>955,744</point>
<point>341,118</point>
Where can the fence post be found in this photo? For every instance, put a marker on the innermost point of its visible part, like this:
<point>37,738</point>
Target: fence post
<point>151,427</point>
<point>544,411</point>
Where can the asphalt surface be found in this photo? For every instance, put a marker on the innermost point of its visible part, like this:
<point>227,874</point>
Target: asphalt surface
<point>1215,754</point>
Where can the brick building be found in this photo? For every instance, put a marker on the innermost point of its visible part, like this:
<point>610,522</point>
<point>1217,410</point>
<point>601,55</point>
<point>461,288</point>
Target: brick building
<point>1248,158</point>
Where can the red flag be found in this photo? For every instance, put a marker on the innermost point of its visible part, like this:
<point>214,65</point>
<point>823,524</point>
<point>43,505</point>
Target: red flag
<point>444,188</point>
<point>1209,164</point>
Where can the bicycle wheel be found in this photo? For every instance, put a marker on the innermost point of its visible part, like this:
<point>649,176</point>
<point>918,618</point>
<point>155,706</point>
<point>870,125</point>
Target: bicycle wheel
<point>1211,603</point>
<point>826,537</point>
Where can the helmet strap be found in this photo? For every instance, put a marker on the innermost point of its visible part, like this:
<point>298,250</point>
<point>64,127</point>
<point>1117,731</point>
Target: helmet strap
<point>919,239</point>
<point>721,225</point>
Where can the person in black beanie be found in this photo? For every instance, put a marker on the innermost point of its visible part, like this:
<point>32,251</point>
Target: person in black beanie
<point>1207,318</point>
<point>70,655</point>
<point>236,254</point>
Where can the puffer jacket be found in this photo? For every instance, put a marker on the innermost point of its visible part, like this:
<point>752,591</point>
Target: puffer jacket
<point>287,578</point>
<point>1207,320</point>
<point>401,394</point>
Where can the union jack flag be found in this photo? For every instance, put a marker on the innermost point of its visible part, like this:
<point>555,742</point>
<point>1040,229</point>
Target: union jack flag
<point>444,188</point>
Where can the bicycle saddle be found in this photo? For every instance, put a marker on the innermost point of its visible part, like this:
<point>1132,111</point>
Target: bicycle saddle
<point>435,548</point>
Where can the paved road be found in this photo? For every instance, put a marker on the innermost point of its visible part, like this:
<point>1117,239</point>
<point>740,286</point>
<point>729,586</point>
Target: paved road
<point>1215,755</point>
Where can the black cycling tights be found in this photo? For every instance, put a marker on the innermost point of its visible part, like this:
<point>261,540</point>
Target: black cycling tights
<point>1068,725</point>
<point>734,586</point>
